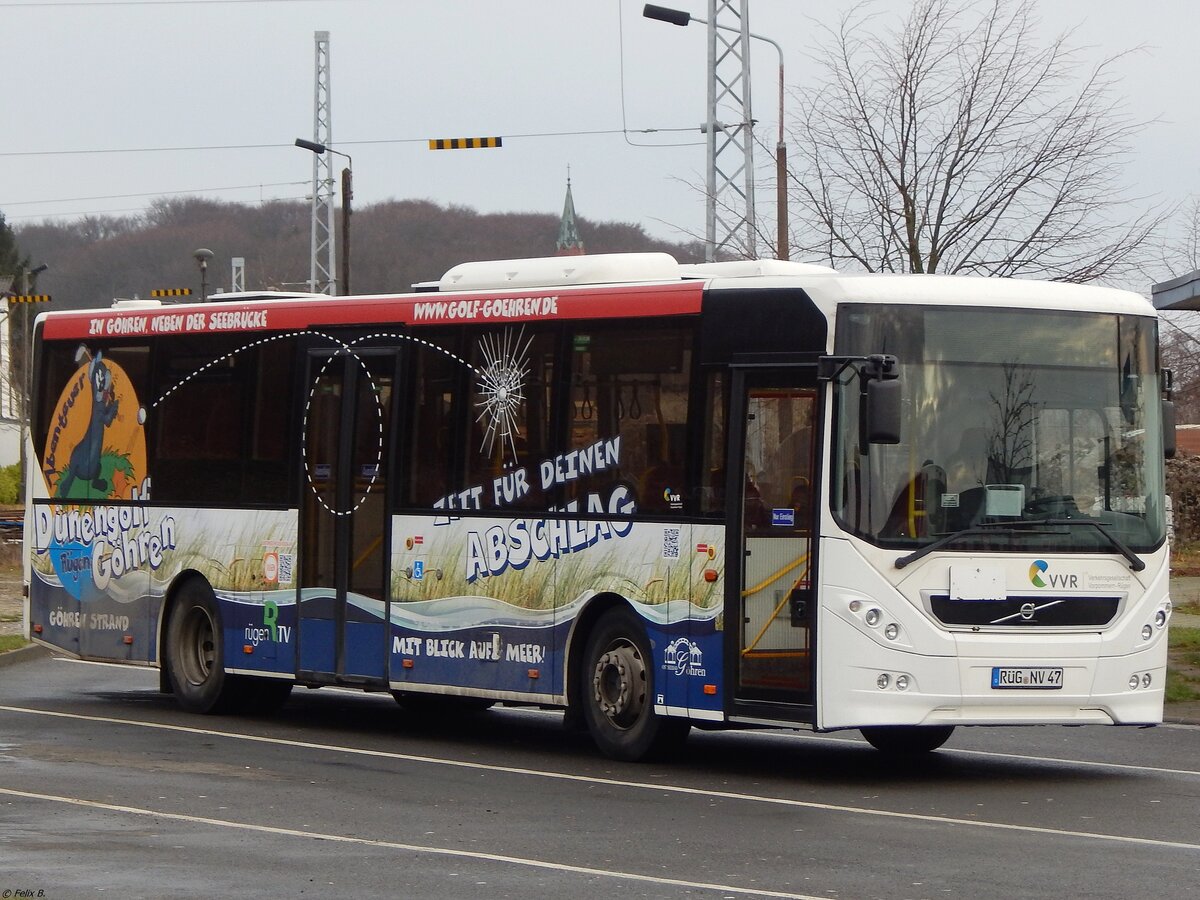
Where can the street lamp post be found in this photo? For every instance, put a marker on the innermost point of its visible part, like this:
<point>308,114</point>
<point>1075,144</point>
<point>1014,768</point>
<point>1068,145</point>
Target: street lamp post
<point>202,256</point>
<point>28,279</point>
<point>681,18</point>
<point>347,197</point>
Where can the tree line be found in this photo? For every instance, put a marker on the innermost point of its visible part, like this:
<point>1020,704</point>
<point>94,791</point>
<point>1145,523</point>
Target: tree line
<point>96,259</point>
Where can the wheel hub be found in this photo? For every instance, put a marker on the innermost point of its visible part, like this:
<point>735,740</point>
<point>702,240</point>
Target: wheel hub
<point>618,684</point>
<point>199,647</point>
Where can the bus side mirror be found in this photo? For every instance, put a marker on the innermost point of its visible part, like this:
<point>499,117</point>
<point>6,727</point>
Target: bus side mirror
<point>1168,423</point>
<point>883,411</point>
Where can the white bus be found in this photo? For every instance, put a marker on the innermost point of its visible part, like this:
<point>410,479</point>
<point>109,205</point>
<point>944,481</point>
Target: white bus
<point>654,495</point>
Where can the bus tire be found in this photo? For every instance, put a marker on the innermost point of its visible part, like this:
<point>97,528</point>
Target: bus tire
<point>907,740</point>
<point>195,656</point>
<point>618,690</point>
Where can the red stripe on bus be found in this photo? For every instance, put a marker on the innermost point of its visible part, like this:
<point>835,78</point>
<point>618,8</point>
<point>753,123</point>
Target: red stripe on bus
<point>479,308</point>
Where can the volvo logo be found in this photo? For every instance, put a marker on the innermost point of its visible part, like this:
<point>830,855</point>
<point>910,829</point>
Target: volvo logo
<point>1026,612</point>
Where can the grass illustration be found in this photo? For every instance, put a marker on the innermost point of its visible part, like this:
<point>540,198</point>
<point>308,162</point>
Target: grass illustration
<point>116,473</point>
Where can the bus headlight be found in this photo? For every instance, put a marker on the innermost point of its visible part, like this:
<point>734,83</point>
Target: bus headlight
<point>883,681</point>
<point>891,633</point>
<point>902,682</point>
<point>1160,618</point>
<point>1146,680</point>
<point>872,617</point>
<point>1147,632</point>
<point>1133,682</point>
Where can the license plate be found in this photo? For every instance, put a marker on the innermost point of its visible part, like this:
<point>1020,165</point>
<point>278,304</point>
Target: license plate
<point>1046,678</point>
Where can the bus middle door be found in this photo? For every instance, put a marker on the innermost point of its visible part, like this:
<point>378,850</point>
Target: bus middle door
<point>343,594</point>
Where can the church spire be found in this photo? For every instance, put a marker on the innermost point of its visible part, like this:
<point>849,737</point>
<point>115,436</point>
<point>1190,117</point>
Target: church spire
<point>569,241</point>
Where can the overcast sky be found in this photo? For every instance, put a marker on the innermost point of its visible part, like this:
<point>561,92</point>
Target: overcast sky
<point>92,92</point>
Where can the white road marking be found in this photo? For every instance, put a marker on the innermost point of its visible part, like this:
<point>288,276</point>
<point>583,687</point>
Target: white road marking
<point>615,782</point>
<point>410,848</point>
<point>957,751</point>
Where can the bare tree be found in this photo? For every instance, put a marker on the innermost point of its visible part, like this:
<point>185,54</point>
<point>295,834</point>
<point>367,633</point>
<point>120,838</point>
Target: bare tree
<point>961,143</point>
<point>1179,344</point>
<point>1010,439</point>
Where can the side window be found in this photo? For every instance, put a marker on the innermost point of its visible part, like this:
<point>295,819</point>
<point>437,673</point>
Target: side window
<point>628,414</point>
<point>204,404</point>
<point>436,375</point>
<point>219,431</point>
<point>779,457</point>
<point>487,424</point>
<point>712,474</point>
<point>509,414</point>
<point>273,390</point>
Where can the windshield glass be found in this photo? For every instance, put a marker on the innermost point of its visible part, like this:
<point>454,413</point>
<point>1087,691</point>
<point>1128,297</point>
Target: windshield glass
<point>1009,417</point>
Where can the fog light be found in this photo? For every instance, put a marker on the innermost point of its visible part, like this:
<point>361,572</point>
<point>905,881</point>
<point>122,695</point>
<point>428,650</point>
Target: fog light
<point>1160,618</point>
<point>1147,632</point>
<point>902,682</point>
<point>1146,680</point>
<point>1133,682</point>
<point>855,605</point>
<point>873,616</point>
<point>891,633</point>
<point>883,681</point>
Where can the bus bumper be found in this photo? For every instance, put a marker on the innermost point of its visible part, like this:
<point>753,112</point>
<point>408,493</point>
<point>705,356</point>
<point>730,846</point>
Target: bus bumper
<point>897,687</point>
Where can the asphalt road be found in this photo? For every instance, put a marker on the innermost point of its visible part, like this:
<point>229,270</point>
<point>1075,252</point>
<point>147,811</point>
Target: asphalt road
<point>106,789</point>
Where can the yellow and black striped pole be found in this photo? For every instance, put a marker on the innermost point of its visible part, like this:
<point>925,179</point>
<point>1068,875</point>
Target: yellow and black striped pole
<point>29,298</point>
<point>472,143</point>
<point>171,292</point>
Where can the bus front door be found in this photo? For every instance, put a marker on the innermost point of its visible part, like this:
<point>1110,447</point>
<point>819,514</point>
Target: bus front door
<point>343,597</point>
<point>770,583</point>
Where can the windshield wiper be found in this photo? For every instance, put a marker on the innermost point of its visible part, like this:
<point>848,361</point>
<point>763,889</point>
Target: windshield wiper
<point>1135,562</point>
<point>1023,525</point>
<point>942,542</point>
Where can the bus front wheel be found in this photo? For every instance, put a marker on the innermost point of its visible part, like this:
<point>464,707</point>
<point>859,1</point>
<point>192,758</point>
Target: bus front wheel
<point>617,689</point>
<point>907,740</point>
<point>195,657</point>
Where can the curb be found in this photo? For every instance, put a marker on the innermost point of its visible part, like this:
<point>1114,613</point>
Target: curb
<point>23,654</point>
<point>1169,719</point>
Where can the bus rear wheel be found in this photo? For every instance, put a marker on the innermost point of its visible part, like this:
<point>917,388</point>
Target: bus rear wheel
<point>617,691</point>
<point>195,657</point>
<point>907,740</point>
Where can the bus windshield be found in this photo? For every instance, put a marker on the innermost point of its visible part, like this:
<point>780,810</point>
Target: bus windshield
<point>1020,429</point>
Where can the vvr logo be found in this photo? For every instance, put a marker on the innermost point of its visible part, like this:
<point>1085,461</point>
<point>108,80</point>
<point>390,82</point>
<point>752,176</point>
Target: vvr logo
<point>1041,568</point>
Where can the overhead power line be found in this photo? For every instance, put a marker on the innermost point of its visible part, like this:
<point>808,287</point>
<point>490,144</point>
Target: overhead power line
<point>235,187</point>
<point>421,140</point>
<point>77,4</point>
<point>137,209</point>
